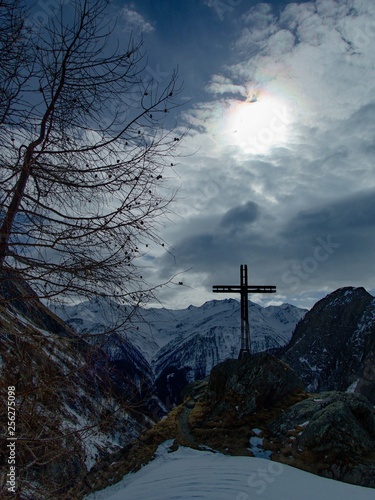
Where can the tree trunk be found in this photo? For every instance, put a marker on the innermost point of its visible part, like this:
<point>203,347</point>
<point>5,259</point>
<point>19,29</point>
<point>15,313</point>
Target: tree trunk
<point>6,227</point>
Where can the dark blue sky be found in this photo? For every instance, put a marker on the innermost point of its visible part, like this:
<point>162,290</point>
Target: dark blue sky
<point>195,35</point>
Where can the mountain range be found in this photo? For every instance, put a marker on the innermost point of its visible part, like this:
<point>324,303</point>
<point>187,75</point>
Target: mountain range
<point>177,347</point>
<point>92,377</point>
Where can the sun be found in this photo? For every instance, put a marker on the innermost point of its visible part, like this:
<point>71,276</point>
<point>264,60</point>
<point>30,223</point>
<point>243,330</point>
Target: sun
<point>258,124</point>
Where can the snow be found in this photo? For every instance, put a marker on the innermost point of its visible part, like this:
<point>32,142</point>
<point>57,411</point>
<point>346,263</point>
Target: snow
<point>157,330</point>
<point>186,474</point>
<point>315,368</point>
<point>257,448</point>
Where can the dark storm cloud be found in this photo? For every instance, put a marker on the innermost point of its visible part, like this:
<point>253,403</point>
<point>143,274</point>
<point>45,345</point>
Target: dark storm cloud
<point>215,254</point>
<point>326,247</point>
<point>331,246</point>
<point>211,246</point>
<point>241,216</point>
<point>351,215</point>
<point>215,258</point>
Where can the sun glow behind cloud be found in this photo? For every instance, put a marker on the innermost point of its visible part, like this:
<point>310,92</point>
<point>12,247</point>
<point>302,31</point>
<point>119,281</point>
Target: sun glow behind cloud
<point>258,124</point>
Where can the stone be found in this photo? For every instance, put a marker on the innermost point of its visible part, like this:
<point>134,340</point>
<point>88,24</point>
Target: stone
<point>330,344</point>
<point>251,383</point>
<point>338,426</point>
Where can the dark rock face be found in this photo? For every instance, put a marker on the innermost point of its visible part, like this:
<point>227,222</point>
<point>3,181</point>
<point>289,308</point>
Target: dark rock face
<point>171,383</point>
<point>330,344</point>
<point>251,383</point>
<point>366,384</point>
<point>337,426</point>
<point>331,434</point>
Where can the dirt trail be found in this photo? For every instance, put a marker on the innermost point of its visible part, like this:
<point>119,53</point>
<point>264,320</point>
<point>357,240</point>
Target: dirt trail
<point>184,427</point>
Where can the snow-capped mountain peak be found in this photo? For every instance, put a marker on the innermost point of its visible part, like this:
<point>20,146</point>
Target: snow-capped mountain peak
<point>185,344</point>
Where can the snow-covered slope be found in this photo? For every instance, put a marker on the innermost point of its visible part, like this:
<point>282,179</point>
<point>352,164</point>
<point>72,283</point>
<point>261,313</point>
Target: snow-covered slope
<point>192,339</point>
<point>180,346</point>
<point>188,473</point>
<point>152,330</point>
<point>204,336</point>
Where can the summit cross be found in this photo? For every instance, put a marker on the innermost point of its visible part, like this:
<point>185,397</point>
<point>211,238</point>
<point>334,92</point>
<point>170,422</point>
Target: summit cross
<point>244,289</point>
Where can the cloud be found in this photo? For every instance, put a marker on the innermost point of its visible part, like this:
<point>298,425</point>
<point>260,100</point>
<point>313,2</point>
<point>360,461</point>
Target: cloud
<point>220,244</point>
<point>258,24</point>
<point>300,212</point>
<point>135,22</point>
<point>238,218</point>
<point>345,218</point>
<point>331,246</point>
<point>223,8</point>
<point>223,85</point>
<point>318,249</point>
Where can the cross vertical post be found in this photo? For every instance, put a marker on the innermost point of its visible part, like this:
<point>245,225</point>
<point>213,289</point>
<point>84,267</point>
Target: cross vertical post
<point>245,327</point>
<point>244,289</point>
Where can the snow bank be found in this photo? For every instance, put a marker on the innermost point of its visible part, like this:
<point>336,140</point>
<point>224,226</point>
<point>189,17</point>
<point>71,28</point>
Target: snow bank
<point>187,474</point>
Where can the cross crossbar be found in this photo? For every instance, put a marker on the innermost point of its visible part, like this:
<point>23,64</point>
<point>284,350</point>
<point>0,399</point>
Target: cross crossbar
<point>238,289</point>
<point>244,289</point>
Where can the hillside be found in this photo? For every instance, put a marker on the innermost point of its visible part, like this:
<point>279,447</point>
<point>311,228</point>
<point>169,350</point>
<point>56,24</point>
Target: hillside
<point>73,405</point>
<point>87,402</point>
<point>251,411</point>
<point>333,346</point>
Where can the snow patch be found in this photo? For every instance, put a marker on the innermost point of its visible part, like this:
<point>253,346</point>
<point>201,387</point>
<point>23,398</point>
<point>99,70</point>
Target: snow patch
<point>188,474</point>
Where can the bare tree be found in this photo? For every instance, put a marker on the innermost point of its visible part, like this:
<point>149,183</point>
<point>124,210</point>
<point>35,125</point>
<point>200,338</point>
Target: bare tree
<point>81,188</point>
<point>14,60</point>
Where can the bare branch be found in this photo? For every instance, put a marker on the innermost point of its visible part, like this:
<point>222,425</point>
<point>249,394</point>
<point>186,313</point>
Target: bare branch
<point>82,185</point>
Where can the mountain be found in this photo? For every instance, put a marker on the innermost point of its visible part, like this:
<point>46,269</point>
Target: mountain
<point>85,398</point>
<point>210,334</point>
<point>73,405</point>
<point>333,346</point>
<point>182,346</point>
<point>250,411</point>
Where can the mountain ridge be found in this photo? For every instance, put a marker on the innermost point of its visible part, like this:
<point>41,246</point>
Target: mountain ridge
<point>183,345</point>
<point>159,326</point>
<point>334,342</point>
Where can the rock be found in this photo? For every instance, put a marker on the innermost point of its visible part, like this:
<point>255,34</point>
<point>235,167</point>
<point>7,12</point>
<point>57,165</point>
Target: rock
<point>251,383</point>
<point>196,389</point>
<point>336,427</point>
<point>366,384</point>
<point>330,344</point>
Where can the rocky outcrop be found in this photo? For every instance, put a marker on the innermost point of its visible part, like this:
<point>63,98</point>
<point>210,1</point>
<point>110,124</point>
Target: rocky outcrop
<point>255,407</point>
<point>330,344</point>
<point>366,384</point>
<point>332,433</point>
<point>251,383</point>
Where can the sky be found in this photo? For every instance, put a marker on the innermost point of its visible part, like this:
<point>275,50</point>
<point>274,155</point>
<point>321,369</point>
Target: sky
<point>276,167</point>
<point>188,473</point>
